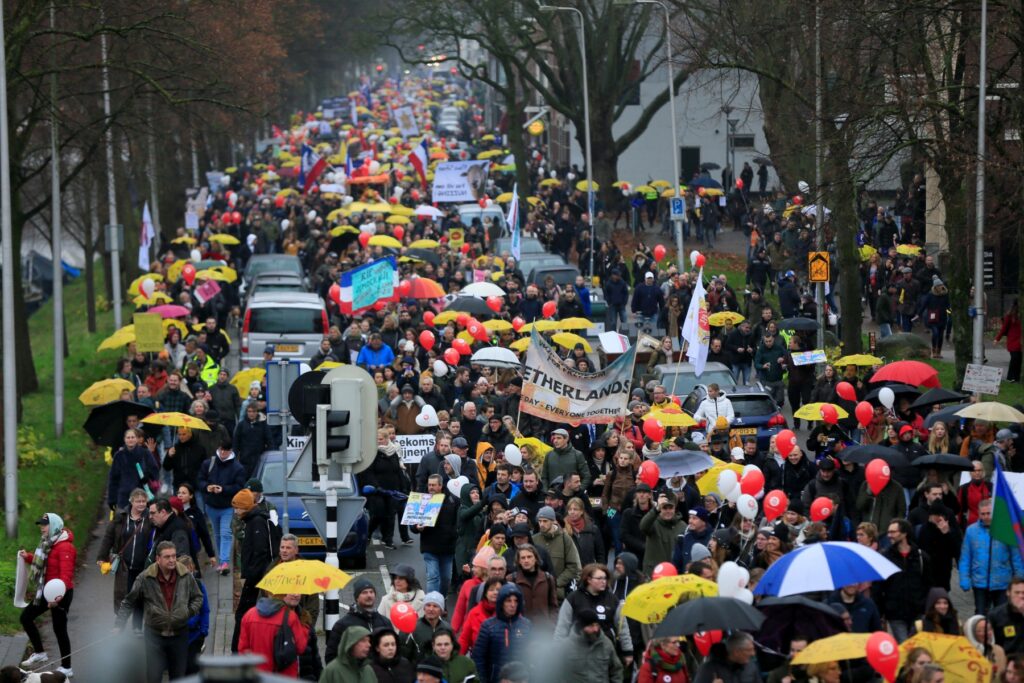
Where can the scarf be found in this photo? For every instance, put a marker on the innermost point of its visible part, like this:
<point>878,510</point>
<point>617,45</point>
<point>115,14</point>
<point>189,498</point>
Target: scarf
<point>37,572</point>
<point>577,525</point>
<point>662,661</point>
<point>389,449</point>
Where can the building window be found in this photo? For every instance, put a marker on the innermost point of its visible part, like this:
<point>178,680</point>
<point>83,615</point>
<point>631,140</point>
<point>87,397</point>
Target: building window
<point>743,141</point>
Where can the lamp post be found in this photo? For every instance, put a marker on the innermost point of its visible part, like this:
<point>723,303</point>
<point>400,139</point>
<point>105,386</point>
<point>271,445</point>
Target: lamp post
<point>978,350</point>
<point>586,123</point>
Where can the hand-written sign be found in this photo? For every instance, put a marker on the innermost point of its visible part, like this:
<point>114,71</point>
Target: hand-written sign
<point>422,509</point>
<point>149,332</point>
<point>372,282</point>
<point>982,379</point>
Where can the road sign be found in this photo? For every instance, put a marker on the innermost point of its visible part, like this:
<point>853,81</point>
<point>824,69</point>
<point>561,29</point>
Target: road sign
<point>818,269</point>
<point>982,379</point>
<point>678,206</point>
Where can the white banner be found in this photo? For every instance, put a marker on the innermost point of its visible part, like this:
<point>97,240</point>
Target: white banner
<point>406,121</point>
<point>415,446</point>
<point>555,391</point>
<point>460,181</point>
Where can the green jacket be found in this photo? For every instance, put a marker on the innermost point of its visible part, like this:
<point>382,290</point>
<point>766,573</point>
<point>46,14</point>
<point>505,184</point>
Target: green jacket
<point>565,558</point>
<point>661,538</point>
<point>887,506</point>
<point>563,462</point>
<point>188,600</point>
<point>770,356</point>
<point>591,661</point>
<point>345,668</point>
<point>458,668</point>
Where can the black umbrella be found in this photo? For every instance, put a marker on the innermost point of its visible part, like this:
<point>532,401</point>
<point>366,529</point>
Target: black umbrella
<point>469,304</point>
<point>427,255</point>
<point>708,614</point>
<point>794,614</point>
<point>943,461</point>
<point>947,415</point>
<point>905,473</point>
<point>709,166</point>
<point>763,161</point>
<point>798,324</point>
<point>340,243</point>
<point>935,396</point>
<point>897,389</point>
<point>106,423</point>
<point>705,182</point>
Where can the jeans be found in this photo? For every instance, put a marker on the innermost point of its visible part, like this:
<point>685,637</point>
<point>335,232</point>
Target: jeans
<point>59,614</point>
<point>901,630</point>
<point>741,373</point>
<point>439,572</point>
<point>165,653</point>
<point>614,317</point>
<point>709,237</point>
<point>907,322</point>
<point>884,330</point>
<point>615,526</point>
<point>984,599</point>
<point>220,520</point>
<point>936,331</point>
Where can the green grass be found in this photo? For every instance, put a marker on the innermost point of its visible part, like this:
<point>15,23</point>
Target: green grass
<point>1010,394</point>
<point>65,475</point>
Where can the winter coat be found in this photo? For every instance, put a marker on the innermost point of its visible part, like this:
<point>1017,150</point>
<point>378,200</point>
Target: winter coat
<point>226,401</point>
<point>459,667</point>
<point>606,605</point>
<point>590,661</point>
<point>417,645</point>
<point>199,625</point>
<point>1011,330</point>
<point>565,558</point>
<point>794,478</point>
<point>469,526</point>
<point>129,539</point>
<point>124,474</point>
<point>660,538</point>
<point>259,629</point>
<point>185,463</point>
<point>633,539</point>
<point>355,619</point>
<point>901,596</point>
<point>540,595</point>
<point>175,530</point>
<point>651,673</point>
<point>617,484</point>
<point>1008,626</point>
<point>397,670</point>
<point>60,563</point>
<point>863,612</point>
<point>616,292</point>
<point>441,538</point>
<point>226,473</point>
<point>947,624</point>
<point>480,613</point>
<point>589,545</point>
<point>412,598</point>
<point>501,639</point>
<point>683,546</point>
<point>469,586</point>
<point>345,668</point>
<point>259,547</point>
<point>935,306</point>
<point>943,549</point>
<point>250,440</point>
<point>882,509</point>
<point>186,603</point>
<point>975,569</point>
<point>561,462</point>
<point>647,300</point>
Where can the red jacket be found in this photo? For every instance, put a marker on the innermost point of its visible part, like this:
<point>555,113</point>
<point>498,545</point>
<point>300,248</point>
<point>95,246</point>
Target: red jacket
<point>459,617</point>
<point>471,629</point>
<point>60,564</point>
<point>259,628</point>
<point>1010,330</point>
<point>650,674</point>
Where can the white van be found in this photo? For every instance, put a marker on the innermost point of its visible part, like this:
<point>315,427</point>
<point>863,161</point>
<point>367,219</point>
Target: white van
<point>294,322</point>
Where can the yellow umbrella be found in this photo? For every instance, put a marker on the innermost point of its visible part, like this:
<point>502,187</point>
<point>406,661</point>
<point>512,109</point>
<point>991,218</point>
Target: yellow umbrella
<point>134,287</point>
<point>645,189</point>
<point>177,324</point>
<point>866,252</point>
<point>622,184</point>
<point>993,411</point>
<point>520,345</point>
<point>720,319</point>
<point>834,648</point>
<point>445,317</point>
<point>660,184</point>
<point>333,215</point>
<point>908,250</point>
<point>211,274</point>
<point>533,201</point>
<point>224,238</point>
<point>670,192</point>
<point>585,186</point>
<point>105,391</point>
<point>174,270</point>
<point>550,182</point>
<point>395,219</point>
<point>227,271</point>
<point>231,169</point>
<point>328,365</point>
<point>399,210</point>
<point>960,661</point>
<point>379,207</point>
<point>183,240</point>
<point>709,482</point>
<point>385,241</point>
<point>489,154</point>
<point>649,603</point>
<point>176,420</point>
<point>121,337</point>
<point>497,325</point>
<point>287,192</point>
<point>540,326</point>
<point>862,359</point>
<point>570,340</point>
<point>303,577</point>
<point>344,230</point>
<point>713,192</point>
<point>503,197</point>
<point>466,337</point>
<point>575,324</point>
<point>812,412</point>
<point>358,207</point>
<point>157,298</point>
<point>425,244</point>
<point>671,418</point>
<point>534,443</point>
<point>244,378</point>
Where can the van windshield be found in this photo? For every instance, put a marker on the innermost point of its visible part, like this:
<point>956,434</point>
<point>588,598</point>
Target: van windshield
<point>287,321</point>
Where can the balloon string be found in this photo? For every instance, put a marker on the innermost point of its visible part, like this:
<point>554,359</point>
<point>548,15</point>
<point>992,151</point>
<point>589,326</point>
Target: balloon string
<point>48,664</point>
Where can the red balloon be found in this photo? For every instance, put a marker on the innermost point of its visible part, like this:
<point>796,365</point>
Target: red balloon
<point>846,391</point>
<point>865,412</point>
<point>701,191</point>
<point>517,323</point>
<point>883,655</point>
<point>335,293</point>
<point>752,482</point>
<point>701,260</point>
<point>739,183</point>
<point>392,200</point>
<point>798,200</point>
<point>427,339</point>
<point>465,248</point>
<point>549,308</point>
<point>415,194</point>
<point>404,617</point>
<point>650,473</point>
<point>451,356</point>
<point>821,509</point>
<point>398,232</point>
<point>654,430</point>
<point>462,319</point>
<point>478,331</point>
<point>494,303</point>
<point>279,202</point>
<point>188,272</point>
<point>461,346</point>
<point>380,305</point>
<point>675,399</point>
<point>364,239</point>
<point>428,318</point>
<point>659,252</point>
<point>663,569</point>
<point>785,441</point>
<point>877,474</point>
<point>705,639</point>
<point>775,503</point>
<point>483,202</point>
<point>236,217</point>
<point>829,414</point>
<point>403,288</point>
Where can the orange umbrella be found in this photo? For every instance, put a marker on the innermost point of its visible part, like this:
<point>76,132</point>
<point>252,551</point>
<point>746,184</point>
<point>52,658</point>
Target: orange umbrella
<point>425,288</point>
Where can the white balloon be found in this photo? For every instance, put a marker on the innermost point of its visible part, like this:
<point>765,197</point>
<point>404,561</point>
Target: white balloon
<point>374,167</point>
<point>427,416</point>
<point>731,579</point>
<point>304,368</point>
<point>804,187</point>
<point>54,589</point>
<point>693,257</point>
<point>727,481</point>
<point>734,495</point>
<point>196,256</point>
<point>750,468</point>
<point>746,505</point>
<point>886,397</point>
<point>513,456</point>
<point>347,200</point>
<point>147,287</point>
<point>744,595</point>
<point>285,224</point>
<point>455,485</point>
<point>311,216</point>
<point>398,192</point>
<point>440,368</point>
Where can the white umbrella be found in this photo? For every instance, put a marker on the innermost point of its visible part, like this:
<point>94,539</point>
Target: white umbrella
<point>811,209</point>
<point>496,357</point>
<point>428,210</point>
<point>824,567</point>
<point>482,290</point>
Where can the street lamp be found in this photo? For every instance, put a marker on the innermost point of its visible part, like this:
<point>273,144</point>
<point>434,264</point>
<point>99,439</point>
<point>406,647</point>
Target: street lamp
<point>672,113</point>
<point>586,123</point>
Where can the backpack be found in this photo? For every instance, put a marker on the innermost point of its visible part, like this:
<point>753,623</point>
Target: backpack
<point>286,652</point>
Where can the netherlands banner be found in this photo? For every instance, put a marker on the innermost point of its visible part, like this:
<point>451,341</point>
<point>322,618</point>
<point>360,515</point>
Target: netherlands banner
<point>365,286</point>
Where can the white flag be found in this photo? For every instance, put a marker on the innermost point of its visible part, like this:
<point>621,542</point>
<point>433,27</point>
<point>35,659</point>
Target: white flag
<point>696,329</point>
<point>146,235</point>
<point>513,222</point>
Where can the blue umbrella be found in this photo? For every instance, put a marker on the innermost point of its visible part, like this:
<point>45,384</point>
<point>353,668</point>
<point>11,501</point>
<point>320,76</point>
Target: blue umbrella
<point>824,567</point>
<point>683,463</point>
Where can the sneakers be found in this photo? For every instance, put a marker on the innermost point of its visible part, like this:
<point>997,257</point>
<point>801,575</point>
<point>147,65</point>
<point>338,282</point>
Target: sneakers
<point>224,569</point>
<point>68,673</point>
<point>37,658</point>
<point>390,545</point>
<point>408,541</point>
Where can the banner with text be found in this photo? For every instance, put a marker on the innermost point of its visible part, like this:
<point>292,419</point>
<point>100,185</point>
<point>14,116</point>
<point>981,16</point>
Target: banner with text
<point>364,286</point>
<point>415,446</point>
<point>460,181</point>
<point>422,509</point>
<point>555,391</point>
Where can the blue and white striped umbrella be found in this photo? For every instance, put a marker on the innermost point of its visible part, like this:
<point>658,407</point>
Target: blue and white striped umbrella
<point>824,567</point>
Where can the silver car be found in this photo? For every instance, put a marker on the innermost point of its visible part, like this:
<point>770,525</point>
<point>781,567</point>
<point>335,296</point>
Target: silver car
<point>293,322</point>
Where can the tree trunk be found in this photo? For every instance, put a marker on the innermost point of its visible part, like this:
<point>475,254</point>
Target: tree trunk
<point>24,364</point>
<point>842,197</point>
<point>958,269</point>
<point>92,223</point>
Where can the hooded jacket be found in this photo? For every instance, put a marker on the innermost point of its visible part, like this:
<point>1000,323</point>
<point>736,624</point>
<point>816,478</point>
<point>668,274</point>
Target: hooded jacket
<point>975,569</point>
<point>228,474</point>
<point>259,548</point>
<point>259,628</point>
<point>501,639</point>
<point>591,661</point>
<point>480,613</point>
<point>250,440</point>
<point>186,603</point>
<point>863,612</point>
<point>60,563</point>
<point>469,524</point>
<point>345,668</point>
<point>946,624</point>
<point>660,537</point>
<point>561,462</point>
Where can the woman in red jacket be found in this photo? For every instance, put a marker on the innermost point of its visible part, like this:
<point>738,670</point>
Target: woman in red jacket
<point>480,613</point>
<point>53,559</point>
<point>1011,330</point>
<point>663,663</point>
<point>260,626</point>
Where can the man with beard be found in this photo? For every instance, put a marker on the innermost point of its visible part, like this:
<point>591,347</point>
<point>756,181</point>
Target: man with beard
<point>591,656</point>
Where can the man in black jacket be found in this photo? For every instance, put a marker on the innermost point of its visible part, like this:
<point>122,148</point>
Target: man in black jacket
<point>901,596</point>
<point>259,549</point>
<point>633,539</point>
<point>251,439</point>
<point>789,295</point>
<point>167,526</point>
<point>363,612</point>
<point>437,542</point>
<point>530,497</point>
<point>616,296</point>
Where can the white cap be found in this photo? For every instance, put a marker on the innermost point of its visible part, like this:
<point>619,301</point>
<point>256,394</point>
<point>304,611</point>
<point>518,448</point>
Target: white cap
<point>697,438</point>
<point>737,453</point>
<point>649,274</point>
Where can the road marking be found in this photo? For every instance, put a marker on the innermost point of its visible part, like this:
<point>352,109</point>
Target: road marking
<point>380,555</point>
<point>385,577</point>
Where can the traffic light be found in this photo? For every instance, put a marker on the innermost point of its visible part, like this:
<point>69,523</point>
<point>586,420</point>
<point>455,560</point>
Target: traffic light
<point>345,432</point>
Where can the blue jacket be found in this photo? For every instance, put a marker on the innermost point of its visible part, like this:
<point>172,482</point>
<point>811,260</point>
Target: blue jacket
<point>124,475</point>
<point>974,562</point>
<point>501,639</point>
<point>583,295</point>
<point>647,299</point>
<point>684,546</point>
<point>228,474</point>
<point>199,625</point>
<point>368,358</point>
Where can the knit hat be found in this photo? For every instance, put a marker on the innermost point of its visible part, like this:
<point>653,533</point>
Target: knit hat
<point>254,485</point>
<point>434,598</point>
<point>431,666</point>
<point>699,552</point>
<point>496,529</point>
<point>521,530</point>
<point>360,584</point>
<point>781,532</point>
<point>546,512</point>
<point>483,556</point>
<point>701,513</point>
<point>586,617</point>
<point>244,500</point>
<point>906,428</point>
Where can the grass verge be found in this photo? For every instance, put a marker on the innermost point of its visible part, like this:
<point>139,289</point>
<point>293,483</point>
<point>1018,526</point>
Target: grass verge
<point>66,475</point>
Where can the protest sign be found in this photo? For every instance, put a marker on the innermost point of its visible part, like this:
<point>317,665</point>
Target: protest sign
<point>207,291</point>
<point>415,446</point>
<point>422,509</point>
<point>460,181</point>
<point>364,286</point>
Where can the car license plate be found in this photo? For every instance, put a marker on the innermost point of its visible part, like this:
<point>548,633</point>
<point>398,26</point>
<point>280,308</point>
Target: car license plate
<point>287,348</point>
<point>743,431</point>
<point>310,540</point>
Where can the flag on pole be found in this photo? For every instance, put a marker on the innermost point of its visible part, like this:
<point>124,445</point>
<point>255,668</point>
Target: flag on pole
<point>1006,512</point>
<point>310,168</point>
<point>513,221</point>
<point>146,235</point>
<point>419,158</point>
<point>696,329</point>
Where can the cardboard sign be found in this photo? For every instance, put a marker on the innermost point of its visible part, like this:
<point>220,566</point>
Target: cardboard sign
<point>982,379</point>
<point>809,357</point>
<point>149,332</point>
<point>422,509</point>
<point>415,446</point>
<point>460,181</point>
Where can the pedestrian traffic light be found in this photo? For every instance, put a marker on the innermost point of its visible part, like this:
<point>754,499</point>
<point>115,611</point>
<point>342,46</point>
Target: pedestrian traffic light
<point>345,429</point>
